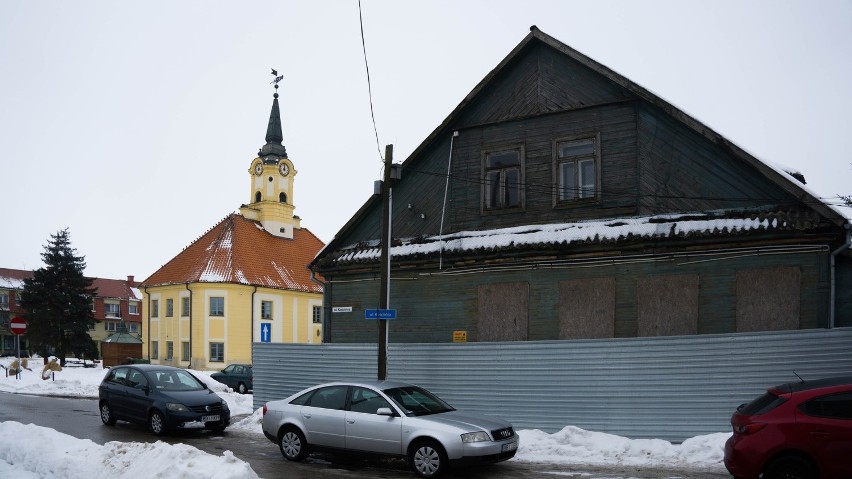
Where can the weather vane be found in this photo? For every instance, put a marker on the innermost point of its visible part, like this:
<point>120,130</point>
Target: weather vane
<point>276,78</point>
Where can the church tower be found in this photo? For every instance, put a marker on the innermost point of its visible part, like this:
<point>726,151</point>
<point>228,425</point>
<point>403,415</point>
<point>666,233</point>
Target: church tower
<point>272,176</point>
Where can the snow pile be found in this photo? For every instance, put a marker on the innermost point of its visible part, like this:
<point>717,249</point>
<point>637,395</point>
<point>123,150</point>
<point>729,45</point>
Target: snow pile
<point>61,455</point>
<point>573,445</point>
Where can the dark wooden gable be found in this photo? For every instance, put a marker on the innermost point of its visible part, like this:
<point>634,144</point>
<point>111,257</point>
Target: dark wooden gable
<point>539,80</point>
<point>654,158</point>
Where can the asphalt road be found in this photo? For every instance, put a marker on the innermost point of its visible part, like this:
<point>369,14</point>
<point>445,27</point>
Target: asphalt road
<point>79,418</point>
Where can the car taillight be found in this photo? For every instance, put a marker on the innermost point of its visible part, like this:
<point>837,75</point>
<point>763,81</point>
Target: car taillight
<point>748,428</point>
<point>264,409</point>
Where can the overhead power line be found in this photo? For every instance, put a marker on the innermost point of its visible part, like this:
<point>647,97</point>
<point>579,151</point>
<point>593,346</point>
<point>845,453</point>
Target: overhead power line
<point>369,85</point>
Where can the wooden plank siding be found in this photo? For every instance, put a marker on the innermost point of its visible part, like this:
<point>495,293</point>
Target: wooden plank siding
<point>653,159</point>
<point>680,170</point>
<point>431,306</point>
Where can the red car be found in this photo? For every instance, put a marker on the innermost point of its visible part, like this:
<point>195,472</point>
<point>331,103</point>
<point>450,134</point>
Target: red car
<point>798,430</point>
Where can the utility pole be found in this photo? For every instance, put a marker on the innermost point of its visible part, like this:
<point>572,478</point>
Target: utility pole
<point>384,288</point>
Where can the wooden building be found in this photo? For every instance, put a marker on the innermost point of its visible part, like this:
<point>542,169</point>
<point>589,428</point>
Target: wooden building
<point>560,200</point>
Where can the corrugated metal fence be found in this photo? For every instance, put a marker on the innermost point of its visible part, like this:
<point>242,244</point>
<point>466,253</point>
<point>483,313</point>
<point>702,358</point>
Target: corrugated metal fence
<point>669,388</point>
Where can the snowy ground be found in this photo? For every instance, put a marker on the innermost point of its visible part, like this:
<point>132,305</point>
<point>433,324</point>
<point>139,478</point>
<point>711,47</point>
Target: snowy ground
<point>82,458</point>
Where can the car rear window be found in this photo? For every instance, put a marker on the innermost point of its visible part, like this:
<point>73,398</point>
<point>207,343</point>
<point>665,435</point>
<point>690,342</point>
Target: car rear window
<point>762,405</point>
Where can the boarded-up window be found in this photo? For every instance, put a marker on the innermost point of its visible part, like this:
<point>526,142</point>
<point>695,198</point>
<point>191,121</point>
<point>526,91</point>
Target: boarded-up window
<point>668,305</point>
<point>768,299</point>
<point>587,308</point>
<point>503,312</point>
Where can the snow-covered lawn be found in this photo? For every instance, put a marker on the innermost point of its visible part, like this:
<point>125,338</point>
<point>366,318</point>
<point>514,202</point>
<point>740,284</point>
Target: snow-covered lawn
<point>81,458</point>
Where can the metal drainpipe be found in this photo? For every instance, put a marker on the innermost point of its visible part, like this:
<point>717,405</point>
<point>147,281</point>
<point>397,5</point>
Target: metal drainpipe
<point>845,246</point>
<point>149,323</point>
<point>251,352</point>
<point>326,317</point>
<point>186,285</point>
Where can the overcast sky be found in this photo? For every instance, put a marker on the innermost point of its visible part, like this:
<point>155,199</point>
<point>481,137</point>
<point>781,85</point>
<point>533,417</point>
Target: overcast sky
<point>134,123</point>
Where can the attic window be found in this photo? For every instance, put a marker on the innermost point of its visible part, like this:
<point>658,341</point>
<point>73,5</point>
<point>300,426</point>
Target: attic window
<point>282,197</point>
<point>257,197</point>
<point>502,186</point>
<point>576,169</point>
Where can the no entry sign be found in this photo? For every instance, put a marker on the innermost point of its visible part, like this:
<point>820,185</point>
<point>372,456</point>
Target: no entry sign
<point>18,326</point>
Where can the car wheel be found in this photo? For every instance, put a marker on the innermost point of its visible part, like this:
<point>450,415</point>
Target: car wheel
<point>293,445</point>
<point>106,414</point>
<point>241,388</point>
<point>790,467</point>
<point>157,423</point>
<point>428,459</point>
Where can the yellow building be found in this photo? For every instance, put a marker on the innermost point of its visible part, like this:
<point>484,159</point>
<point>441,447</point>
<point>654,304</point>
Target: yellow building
<point>245,280</point>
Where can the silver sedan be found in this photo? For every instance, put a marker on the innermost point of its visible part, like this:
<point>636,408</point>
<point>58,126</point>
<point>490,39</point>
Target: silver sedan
<point>386,418</point>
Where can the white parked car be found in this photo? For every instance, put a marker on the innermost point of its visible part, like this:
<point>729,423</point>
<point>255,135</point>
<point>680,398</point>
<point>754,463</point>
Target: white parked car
<point>386,418</point>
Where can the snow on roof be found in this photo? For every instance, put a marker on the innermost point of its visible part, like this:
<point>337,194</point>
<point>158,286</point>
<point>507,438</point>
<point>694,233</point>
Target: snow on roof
<point>620,229</point>
<point>11,283</point>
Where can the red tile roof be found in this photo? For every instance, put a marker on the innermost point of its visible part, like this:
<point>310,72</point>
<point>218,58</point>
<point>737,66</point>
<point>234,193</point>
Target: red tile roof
<point>240,251</point>
<point>107,288</point>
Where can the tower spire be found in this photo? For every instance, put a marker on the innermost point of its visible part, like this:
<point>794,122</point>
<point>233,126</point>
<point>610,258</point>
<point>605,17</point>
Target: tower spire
<point>274,136</point>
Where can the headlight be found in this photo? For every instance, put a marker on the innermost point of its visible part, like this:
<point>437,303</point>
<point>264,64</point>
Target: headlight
<point>176,407</point>
<point>475,437</point>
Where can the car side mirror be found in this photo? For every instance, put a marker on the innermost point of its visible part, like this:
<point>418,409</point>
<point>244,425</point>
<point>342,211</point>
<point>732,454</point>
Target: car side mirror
<point>741,406</point>
<point>142,387</point>
<point>384,411</point>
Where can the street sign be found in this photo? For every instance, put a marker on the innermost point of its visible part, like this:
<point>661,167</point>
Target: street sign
<point>265,332</point>
<point>341,309</point>
<point>379,314</point>
<point>18,326</point>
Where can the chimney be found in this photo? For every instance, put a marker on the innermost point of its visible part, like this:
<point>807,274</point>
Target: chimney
<point>130,280</point>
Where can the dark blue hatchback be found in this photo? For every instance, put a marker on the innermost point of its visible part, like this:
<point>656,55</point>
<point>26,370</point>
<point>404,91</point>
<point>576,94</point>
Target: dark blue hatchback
<point>163,397</point>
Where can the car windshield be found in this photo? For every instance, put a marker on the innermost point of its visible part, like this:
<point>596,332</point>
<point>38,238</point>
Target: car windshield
<point>179,380</point>
<point>415,401</point>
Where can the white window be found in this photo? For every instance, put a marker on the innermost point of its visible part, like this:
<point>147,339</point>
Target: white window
<point>155,349</point>
<point>170,350</point>
<point>317,314</point>
<point>217,352</point>
<point>217,306</point>
<point>133,307</point>
<point>576,169</point>
<point>4,299</point>
<point>112,309</point>
<point>133,327</point>
<point>170,307</point>
<point>184,307</point>
<point>111,326</point>
<point>266,310</point>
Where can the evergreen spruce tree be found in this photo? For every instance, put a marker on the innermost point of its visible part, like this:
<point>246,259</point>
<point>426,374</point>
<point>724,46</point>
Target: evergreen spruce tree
<point>58,302</point>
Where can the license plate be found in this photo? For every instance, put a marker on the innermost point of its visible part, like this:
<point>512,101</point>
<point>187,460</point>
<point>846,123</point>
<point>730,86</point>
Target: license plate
<point>510,447</point>
<point>210,418</point>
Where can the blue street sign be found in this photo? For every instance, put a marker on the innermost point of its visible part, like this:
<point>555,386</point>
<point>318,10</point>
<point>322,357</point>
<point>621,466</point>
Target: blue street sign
<point>265,332</point>
<point>379,314</point>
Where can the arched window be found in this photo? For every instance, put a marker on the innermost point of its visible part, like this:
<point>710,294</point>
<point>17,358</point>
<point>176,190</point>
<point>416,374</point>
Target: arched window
<point>257,197</point>
<point>282,197</point>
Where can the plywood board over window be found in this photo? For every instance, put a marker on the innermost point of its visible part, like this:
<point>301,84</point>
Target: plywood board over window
<point>587,308</point>
<point>503,312</point>
<point>768,299</point>
<point>668,305</point>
